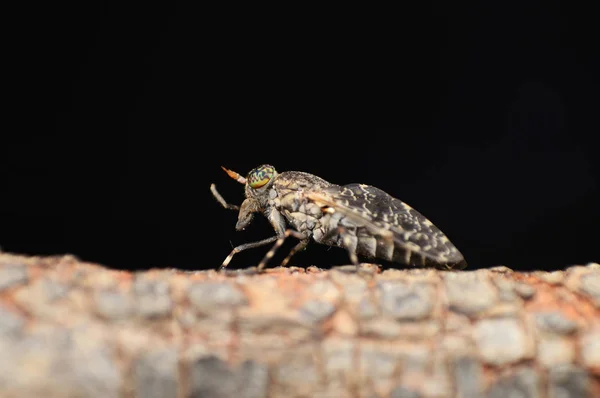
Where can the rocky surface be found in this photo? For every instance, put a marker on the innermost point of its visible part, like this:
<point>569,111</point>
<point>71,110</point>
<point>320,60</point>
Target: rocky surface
<point>73,329</point>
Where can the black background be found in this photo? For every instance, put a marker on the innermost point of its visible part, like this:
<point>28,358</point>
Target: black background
<point>481,117</point>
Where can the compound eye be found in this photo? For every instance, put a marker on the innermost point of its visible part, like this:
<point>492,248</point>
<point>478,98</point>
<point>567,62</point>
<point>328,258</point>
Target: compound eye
<point>260,176</point>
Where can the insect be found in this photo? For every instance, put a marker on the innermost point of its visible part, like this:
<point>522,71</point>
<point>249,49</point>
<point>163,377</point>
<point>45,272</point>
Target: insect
<point>362,219</point>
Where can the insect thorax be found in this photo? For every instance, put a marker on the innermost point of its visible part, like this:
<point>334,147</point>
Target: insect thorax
<point>289,197</point>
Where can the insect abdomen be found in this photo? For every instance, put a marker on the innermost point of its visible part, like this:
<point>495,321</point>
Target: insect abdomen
<point>385,249</point>
<point>369,245</point>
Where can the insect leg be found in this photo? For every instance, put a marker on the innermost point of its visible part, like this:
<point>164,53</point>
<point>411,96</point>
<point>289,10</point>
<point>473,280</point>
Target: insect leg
<point>245,246</point>
<point>300,246</point>
<point>348,245</point>
<point>346,242</point>
<point>278,244</point>
<point>220,199</point>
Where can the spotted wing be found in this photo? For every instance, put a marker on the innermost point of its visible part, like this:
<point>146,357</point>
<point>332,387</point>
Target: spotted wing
<point>417,240</point>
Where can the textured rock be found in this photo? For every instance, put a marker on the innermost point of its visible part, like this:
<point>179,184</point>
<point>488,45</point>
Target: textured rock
<point>403,392</point>
<point>568,382</point>
<point>153,300</point>
<point>315,311</point>
<point>71,329</point>
<point>523,383</point>
<point>590,349</point>
<point>404,301</point>
<point>114,305</point>
<point>40,299</point>
<point>378,364</point>
<point>469,293</point>
<point>500,341</point>
<point>338,358</point>
<point>297,373</point>
<point>468,377</point>
<point>555,322</point>
<point>553,278</point>
<point>12,274</point>
<point>211,377</point>
<point>367,308</point>
<point>524,290</point>
<point>10,323</point>
<point>390,329</point>
<point>156,374</point>
<point>555,350</point>
<point>207,296</point>
<point>48,363</point>
<point>590,284</point>
<point>506,290</point>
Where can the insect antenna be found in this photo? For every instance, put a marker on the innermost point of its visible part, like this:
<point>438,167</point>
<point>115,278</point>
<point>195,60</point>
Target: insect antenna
<point>234,175</point>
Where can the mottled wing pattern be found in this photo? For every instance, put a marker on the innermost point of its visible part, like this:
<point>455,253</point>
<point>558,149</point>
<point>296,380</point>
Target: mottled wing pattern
<point>411,230</point>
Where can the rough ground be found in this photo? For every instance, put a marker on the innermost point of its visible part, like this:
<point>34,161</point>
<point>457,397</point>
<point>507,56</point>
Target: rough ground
<point>73,329</point>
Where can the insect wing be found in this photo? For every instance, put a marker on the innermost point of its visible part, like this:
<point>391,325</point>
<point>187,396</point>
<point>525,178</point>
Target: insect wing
<point>390,218</point>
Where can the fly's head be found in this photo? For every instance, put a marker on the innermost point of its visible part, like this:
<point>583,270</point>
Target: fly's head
<point>257,185</point>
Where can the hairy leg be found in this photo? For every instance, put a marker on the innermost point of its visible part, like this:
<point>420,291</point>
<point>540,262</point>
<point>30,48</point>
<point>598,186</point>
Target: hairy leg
<point>278,244</point>
<point>245,246</point>
<point>220,199</point>
<point>299,247</point>
<point>347,242</point>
